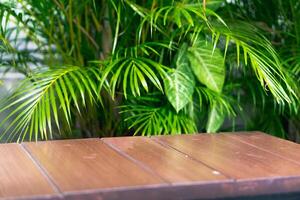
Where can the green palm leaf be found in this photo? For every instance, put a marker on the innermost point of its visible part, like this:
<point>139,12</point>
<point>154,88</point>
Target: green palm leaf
<point>153,120</point>
<point>133,73</point>
<point>47,98</point>
<point>261,56</point>
<point>129,69</point>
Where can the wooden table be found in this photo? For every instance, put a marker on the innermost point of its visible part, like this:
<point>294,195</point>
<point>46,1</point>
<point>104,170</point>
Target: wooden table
<point>200,166</point>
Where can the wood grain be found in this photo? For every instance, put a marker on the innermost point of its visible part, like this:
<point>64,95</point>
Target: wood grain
<point>19,177</point>
<point>88,164</point>
<point>283,148</point>
<point>234,158</point>
<point>168,163</point>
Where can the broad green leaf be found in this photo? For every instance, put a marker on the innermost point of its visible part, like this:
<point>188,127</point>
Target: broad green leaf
<point>207,64</point>
<point>179,83</point>
<point>215,119</point>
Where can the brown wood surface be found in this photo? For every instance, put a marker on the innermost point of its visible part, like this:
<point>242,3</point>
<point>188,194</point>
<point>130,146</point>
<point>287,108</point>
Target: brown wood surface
<point>88,164</point>
<point>201,166</point>
<point>284,148</point>
<point>19,176</point>
<point>232,157</point>
<point>171,165</point>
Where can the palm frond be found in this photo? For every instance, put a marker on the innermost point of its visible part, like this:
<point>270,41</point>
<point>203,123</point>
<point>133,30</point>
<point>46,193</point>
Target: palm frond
<point>261,56</point>
<point>151,120</point>
<point>47,98</point>
<point>211,98</point>
<point>131,69</point>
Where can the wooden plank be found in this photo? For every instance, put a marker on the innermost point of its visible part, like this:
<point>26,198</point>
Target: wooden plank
<point>169,164</point>
<point>233,157</point>
<point>89,164</point>
<point>19,176</point>
<point>283,148</point>
<point>256,171</point>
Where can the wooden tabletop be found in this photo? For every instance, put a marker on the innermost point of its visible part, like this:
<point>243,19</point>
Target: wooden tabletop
<point>198,166</point>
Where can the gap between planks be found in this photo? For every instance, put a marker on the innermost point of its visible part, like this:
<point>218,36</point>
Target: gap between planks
<point>43,171</point>
<point>137,162</point>
<point>260,148</point>
<point>164,145</point>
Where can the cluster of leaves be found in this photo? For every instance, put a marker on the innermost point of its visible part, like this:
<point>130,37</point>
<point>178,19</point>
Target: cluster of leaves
<point>164,67</point>
<point>280,25</point>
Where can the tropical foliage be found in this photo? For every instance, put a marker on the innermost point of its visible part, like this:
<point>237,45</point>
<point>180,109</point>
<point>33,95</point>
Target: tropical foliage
<point>280,24</point>
<point>124,67</point>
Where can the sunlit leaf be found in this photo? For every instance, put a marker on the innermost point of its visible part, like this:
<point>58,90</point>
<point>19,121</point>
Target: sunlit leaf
<point>179,83</point>
<point>50,97</point>
<point>207,64</point>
